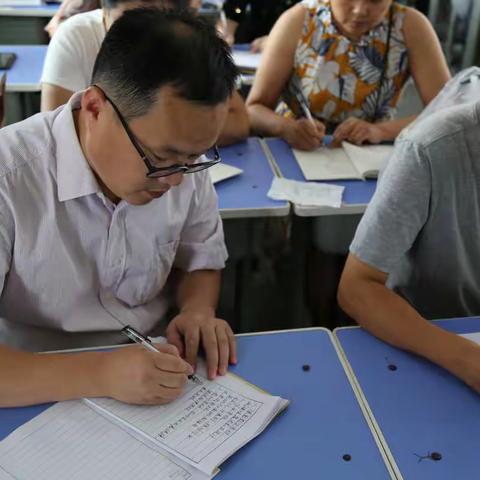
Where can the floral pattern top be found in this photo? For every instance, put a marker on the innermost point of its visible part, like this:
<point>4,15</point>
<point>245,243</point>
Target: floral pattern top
<point>340,78</point>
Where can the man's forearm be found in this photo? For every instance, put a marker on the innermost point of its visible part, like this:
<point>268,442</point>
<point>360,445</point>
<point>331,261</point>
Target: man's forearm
<point>389,317</point>
<point>32,378</point>
<point>199,290</point>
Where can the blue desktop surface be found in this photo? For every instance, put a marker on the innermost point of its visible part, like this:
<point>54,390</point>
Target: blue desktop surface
<point>26,72</point>
<point>420,408</point>
<point>246,195</point>
<point>44,10</point>
<point>322,424</point>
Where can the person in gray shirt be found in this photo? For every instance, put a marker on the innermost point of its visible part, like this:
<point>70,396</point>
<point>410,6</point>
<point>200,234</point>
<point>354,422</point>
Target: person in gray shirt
<point>416,252</point>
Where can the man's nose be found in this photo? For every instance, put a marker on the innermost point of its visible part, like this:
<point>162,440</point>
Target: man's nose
<point>173,180</point>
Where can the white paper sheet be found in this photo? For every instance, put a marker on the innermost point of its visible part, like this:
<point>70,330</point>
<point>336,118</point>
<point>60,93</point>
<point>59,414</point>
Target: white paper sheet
<point>306,194</point>
<point>207,424</point>
<point>246,60</point>
<point>222,171</point>
<point>474,337</point>
<point>72,441</point>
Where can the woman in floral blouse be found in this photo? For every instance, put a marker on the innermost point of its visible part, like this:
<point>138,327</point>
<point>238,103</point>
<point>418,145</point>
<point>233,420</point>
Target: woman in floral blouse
<point>347,61</point>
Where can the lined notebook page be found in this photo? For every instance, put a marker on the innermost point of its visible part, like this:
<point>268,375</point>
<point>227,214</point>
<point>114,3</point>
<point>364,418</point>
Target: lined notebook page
<point>207,424</point>
<point>326,164</point>
<point>72,441</point>
<point>368,158</point>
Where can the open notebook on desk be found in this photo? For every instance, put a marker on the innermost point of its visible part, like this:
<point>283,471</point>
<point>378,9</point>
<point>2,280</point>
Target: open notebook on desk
<point>222,171</point>
<point>348,162</point>
<point>105,439</point>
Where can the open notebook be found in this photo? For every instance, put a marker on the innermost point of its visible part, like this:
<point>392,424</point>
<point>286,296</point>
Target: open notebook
<point>348,162</point>
<point>222,171</point>
<point>105,439</point>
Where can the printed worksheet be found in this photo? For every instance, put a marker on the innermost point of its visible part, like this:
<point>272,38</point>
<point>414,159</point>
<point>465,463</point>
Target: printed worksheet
<point>211,420</point>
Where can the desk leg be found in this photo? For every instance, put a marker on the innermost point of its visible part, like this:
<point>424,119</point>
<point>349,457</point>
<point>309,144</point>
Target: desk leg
<point>244,274</point>
<point>299,246</point>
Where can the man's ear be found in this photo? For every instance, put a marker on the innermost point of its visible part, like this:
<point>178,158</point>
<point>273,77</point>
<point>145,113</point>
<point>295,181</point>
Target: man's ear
<point>93,103</point>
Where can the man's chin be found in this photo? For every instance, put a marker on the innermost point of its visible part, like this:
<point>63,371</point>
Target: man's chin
<point>142,198</point>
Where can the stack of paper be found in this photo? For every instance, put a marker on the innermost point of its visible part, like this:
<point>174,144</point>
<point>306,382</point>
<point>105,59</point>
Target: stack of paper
<point>105,439</point>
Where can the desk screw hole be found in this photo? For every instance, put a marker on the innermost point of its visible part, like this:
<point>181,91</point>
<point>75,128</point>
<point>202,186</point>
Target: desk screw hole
<point>347,457</point>
<point>392,367</point>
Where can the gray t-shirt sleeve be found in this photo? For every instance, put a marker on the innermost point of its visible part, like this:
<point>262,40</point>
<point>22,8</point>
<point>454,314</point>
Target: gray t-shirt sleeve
<point>398,210</point>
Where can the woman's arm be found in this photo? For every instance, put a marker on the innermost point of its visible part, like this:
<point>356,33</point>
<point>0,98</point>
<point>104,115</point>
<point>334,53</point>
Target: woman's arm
<point>427,62</point>
<point>236,126</point>
<point>53,96</point>
<point>274,72</point>
<point>271,80</point>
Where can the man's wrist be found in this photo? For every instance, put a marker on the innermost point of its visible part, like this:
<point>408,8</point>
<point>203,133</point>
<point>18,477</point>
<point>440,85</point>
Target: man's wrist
<point>198,310</point>
<point>79,374</point>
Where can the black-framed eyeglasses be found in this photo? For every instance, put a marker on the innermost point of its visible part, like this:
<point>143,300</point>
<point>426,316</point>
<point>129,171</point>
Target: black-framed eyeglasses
<point>158,172</point>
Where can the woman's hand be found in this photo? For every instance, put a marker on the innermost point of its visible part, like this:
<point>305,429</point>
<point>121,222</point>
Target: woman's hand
<point>303,134</point>
<point>357,131</point>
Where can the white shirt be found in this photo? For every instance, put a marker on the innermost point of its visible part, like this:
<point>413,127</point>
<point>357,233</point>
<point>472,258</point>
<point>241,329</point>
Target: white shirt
<point>72,51</point>
<point>74,267</point>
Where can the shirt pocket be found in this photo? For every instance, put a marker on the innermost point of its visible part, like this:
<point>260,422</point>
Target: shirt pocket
<point>146,275</point>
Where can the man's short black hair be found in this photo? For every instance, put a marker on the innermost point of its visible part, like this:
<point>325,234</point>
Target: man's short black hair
<point>148,48</point>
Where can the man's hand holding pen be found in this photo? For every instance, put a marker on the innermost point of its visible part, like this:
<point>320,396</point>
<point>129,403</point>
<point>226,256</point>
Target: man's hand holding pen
<point>137,375</point>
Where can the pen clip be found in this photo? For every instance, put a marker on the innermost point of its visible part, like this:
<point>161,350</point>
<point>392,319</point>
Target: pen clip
<point>132,334</point>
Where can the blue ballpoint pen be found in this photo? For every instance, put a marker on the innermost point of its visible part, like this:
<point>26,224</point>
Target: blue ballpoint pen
<point>137,337</point>
<point>327,139</point>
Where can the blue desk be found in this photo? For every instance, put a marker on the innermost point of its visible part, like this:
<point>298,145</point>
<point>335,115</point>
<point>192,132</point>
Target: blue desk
<point>25,74</point>
<point>356,196</point>
<point>45,10</point>
<point>322,424</point>
<point>419,407</point>
<point>245,196</point>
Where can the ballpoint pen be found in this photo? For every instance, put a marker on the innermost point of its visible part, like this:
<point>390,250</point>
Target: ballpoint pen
<point>327,139</point>
<point>137,337</point>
